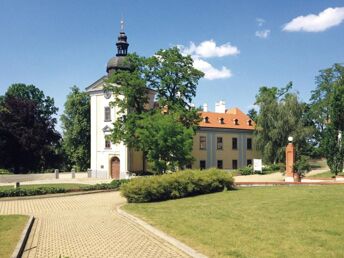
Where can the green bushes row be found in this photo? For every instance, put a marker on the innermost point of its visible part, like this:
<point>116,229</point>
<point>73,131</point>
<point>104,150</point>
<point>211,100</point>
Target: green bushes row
<point>22,191</point>
<point>29,192</point>
<point>177,185</point>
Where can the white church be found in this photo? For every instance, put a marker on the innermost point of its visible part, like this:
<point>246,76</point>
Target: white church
<point>111,160</point>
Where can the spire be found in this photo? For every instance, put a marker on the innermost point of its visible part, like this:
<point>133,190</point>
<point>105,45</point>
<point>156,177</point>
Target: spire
<point>122,44</point>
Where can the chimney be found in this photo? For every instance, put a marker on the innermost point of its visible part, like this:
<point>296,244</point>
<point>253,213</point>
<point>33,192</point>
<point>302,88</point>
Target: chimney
<point>205,107</point>
<point>220,107</point>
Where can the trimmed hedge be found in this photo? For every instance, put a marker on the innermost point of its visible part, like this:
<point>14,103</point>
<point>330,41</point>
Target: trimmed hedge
<point>177,185</point>
<point>21,191</point>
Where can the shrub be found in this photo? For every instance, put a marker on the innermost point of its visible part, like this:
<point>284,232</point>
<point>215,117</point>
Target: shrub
<point>246,171</point>
<point>302,165</point>
<point>30,192</point>
<point>4,171</point>
<point>176,185</point>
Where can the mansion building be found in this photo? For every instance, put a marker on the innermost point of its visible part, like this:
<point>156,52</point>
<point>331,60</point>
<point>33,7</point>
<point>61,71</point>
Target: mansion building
<point>224,138</point>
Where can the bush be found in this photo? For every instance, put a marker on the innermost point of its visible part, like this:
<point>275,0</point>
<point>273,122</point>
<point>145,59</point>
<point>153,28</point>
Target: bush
<point>30,192</point>
<point>4,171</point>
<point>176,185</point>
<point>246,170</point>
<point>301,166</point>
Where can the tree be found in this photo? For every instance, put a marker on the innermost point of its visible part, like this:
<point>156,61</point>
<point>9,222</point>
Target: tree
<point>281,114</point>
<point>28,138</point>
<point>174,79</point>
<point>327,105</point>
<point>76,129</point>
<point>252,113</point>
<point>167,142</point>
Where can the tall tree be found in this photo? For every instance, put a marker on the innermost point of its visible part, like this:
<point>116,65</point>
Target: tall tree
<point>76,129</point>
<point>330,131</point>
<point>252,113</point>
<point>174,79</point>
<point>28,138</point>
<point>281,114</point>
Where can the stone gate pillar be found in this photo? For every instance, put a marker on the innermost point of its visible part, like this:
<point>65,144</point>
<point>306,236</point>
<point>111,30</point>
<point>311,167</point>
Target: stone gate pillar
<point>290,159</point>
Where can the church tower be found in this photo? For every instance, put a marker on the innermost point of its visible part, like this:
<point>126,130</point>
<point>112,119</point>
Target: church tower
<point>118,62</point>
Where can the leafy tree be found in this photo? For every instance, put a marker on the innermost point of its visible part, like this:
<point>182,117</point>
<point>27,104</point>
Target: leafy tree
<point>326,110</point>
<point>76,129</point>
<point>174,79</point>
<point>28,138</point>
<point>252,113</point>
<point>281,114</point>
<point>167,142</point>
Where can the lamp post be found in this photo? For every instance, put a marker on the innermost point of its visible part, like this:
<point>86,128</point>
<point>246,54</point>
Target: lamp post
<point>290,159</point>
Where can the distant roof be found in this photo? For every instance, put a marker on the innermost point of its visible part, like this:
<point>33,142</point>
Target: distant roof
<point>244,122</point>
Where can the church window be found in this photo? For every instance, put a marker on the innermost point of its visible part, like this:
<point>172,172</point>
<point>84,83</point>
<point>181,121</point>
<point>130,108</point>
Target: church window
<point>107,114</point>
<point>107,144</point>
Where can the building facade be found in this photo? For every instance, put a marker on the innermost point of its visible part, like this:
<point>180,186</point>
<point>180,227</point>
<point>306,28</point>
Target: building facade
<point>224,139</point>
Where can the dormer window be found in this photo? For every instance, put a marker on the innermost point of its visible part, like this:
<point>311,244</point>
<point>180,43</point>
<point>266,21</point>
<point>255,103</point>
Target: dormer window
<point>236,121</point>
<point>221,120</point>
<point>249,122</point>
<point>206,119</point>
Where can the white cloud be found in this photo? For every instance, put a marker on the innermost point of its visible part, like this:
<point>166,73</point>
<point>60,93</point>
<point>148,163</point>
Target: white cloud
<point>260,22</point>
<point>208,48</point>
<point>263,34</point>
<point>316,22</point>
<point>211,73</point>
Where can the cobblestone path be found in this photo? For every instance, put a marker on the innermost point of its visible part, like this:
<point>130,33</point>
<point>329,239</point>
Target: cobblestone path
<point>86,226</point>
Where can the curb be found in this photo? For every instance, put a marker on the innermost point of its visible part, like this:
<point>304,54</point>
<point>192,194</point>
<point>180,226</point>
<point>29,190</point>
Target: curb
<point>178,244</point>
<point>18,251</point>
<point>16,198</point>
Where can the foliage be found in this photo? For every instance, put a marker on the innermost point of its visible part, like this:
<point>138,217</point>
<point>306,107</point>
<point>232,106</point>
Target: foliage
<point>76,129</point>
<point>46,189</point>
<point>28,138</point>
<point>327,105</point>
<point>177,185</point>
<point>301,166</point>
<point>4,171</point>
<point>281,114</point>
<point>172,76</point>
<point>246,171</point>
<point>166,141</point>
<point>253,114</point>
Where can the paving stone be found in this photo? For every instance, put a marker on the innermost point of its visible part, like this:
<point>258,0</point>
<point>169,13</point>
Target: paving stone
<point>86,226</point>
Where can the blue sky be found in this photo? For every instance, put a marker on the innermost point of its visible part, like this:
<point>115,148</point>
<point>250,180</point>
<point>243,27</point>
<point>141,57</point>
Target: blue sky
<point>57,44</point>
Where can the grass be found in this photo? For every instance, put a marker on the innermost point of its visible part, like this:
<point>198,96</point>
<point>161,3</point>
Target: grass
<point>326,174</point>
<point>11,228</point>
<point>66,186</point>
<point>286,221</point>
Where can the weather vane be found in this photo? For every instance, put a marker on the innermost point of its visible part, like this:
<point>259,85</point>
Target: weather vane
<point>122,24</point>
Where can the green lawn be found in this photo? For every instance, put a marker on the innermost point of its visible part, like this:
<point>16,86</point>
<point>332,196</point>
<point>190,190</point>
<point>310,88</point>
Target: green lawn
<point>326,174</point>
<point>286,221</point>
<point>66,186</point>
<point>11,227</point>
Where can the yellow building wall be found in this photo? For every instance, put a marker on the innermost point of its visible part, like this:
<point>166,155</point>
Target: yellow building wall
<point>227,154</point>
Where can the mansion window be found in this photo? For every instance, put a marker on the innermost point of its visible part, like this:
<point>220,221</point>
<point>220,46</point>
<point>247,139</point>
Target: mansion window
<point>107,144</point>
<point>234,164</point>
<point>219,143</point>
<point>249,162</point>
<point>249,143</point>
<point>202,142</point>
<point>202,164</point>
<point>220,164</point>
<point>107,114</point>
<point>234,143</point>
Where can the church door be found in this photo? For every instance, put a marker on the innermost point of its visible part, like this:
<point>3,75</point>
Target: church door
<point>115,168</point>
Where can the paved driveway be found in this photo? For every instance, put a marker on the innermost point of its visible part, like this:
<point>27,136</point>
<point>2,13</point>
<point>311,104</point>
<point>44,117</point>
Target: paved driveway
<point>86,226</point>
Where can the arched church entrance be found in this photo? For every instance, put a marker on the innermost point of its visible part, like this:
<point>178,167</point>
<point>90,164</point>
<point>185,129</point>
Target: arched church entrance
<point>115,167</point>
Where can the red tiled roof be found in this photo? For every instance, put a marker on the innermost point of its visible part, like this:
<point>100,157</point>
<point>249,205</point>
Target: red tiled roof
<point>214,120</point>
